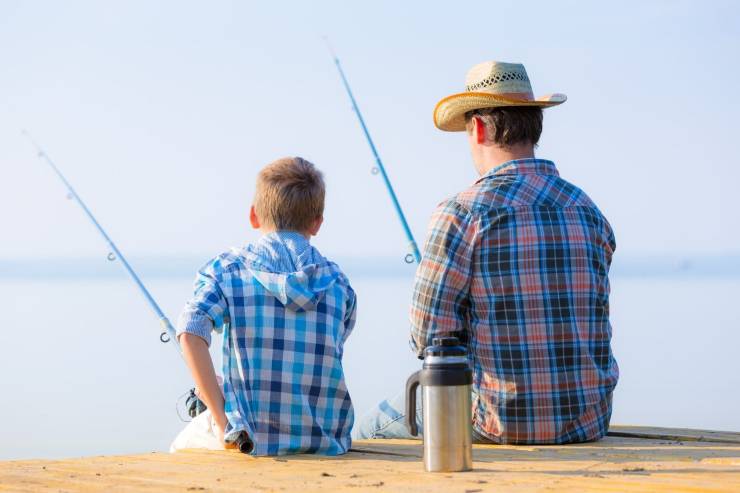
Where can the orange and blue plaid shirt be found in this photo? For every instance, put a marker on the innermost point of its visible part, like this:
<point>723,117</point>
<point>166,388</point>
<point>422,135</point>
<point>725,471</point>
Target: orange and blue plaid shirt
<point>517,267</point>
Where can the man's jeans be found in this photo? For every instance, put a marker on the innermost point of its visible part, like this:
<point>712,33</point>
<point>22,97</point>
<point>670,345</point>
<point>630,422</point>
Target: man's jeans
<point>388,420</point>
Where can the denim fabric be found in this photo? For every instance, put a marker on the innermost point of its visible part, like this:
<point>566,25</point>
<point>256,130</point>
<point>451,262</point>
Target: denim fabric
<point>388,420</point>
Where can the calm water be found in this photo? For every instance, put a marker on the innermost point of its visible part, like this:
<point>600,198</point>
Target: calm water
<point>82,371</point>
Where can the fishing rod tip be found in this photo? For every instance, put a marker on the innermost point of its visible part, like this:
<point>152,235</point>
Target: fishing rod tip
<point>28,135</point>
<point>328,45</point>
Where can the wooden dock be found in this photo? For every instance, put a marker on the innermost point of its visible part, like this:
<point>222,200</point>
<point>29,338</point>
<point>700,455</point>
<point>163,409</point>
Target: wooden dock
<point>636,459</point>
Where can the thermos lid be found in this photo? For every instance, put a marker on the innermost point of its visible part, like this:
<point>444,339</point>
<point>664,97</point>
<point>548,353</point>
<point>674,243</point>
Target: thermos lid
<point>446,346</point>
<point>446,364</point>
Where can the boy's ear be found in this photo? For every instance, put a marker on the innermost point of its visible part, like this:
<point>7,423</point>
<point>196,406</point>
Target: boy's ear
<point>316,226</point>
<point>253,219</point>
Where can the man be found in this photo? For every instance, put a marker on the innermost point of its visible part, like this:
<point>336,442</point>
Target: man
<point>516,266</point>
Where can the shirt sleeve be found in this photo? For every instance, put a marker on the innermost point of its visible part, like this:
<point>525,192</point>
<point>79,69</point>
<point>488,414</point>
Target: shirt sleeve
<point>207,310</point>
<point>441,301</point>
<point>351,313</point>
<point>350,316</point>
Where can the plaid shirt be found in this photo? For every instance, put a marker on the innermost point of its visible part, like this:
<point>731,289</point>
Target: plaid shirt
<point>287,312</point>
<point>517,267</point>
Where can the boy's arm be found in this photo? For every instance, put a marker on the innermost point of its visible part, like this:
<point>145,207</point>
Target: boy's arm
<point>205,311</point>
<point>441,288</point>
<point>198,359</point>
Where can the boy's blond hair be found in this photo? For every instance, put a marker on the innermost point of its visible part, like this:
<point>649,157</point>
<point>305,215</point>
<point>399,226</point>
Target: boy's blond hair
<point>290,194</point>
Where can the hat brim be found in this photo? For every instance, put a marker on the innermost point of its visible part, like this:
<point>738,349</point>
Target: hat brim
<point>449,114</point>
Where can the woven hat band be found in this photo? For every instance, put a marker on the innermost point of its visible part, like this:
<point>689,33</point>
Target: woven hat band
<point>503,79</point>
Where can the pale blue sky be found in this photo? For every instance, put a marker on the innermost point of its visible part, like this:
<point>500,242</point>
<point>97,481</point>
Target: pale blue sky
<point>161,113</point>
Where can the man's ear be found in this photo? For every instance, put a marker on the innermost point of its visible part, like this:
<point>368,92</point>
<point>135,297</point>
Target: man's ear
<point>479,130</point>
<point>253,219</point>
<point>316,226</point>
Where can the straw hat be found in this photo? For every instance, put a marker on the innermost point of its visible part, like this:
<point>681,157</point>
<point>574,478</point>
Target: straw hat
<point>490,85</point>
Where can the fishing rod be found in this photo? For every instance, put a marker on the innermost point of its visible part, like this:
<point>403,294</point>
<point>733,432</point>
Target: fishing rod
<point>168,332</point>
<point>193,403</point>
<point>414,255</point>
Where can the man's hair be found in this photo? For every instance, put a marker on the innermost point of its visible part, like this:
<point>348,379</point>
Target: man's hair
<point>290,194</point>
<point>509,125</point>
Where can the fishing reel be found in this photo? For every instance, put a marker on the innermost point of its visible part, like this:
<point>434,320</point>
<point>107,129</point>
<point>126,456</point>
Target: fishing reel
<point>194,405</point>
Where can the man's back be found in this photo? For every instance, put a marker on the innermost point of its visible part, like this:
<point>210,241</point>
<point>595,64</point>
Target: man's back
<point>517,266</point>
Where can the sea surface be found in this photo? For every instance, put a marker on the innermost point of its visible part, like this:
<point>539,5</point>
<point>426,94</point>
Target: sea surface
<point>82,370</point>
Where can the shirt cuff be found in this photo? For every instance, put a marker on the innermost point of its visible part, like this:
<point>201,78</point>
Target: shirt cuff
<point>415,348</point>
<point>196,323</point>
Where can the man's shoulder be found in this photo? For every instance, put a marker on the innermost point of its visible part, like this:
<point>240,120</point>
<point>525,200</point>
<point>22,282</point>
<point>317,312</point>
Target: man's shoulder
<point>568,193</point>
<point>458,205</point>
<point>522,190</point>
<point>487,193</point>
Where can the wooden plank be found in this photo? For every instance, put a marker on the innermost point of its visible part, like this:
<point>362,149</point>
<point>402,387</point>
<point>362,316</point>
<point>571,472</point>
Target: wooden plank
<point>613,464</point>
<point>674,434</point>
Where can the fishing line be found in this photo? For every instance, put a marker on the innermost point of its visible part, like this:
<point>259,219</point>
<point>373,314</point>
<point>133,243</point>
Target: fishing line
<point>177,406</point>
<point>193,405</point>
<point>414,256</point>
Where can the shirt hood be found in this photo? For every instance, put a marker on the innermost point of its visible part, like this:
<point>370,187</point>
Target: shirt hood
<point>290,269</point>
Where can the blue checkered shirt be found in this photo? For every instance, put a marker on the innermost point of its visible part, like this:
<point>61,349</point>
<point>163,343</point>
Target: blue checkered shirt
<point>286,312</point>
<point>517,267</point>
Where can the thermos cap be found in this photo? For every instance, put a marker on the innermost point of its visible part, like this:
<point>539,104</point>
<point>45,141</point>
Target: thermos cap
<point>446,346</point>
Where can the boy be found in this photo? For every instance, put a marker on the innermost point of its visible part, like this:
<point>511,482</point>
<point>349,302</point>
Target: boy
<point>286,312</point>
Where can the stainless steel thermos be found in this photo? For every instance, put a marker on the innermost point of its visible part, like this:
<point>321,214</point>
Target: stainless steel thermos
<point>445,380</point>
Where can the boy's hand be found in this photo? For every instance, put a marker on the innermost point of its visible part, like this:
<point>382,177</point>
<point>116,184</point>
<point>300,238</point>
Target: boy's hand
<point>218,427</point>
<point>218,430</point>
<point>209,388</point>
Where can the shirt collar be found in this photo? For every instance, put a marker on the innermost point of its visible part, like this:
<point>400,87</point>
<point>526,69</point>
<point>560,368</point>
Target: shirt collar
<point>527,166</point>
<point>283,251</point>
<point>293,240</point>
